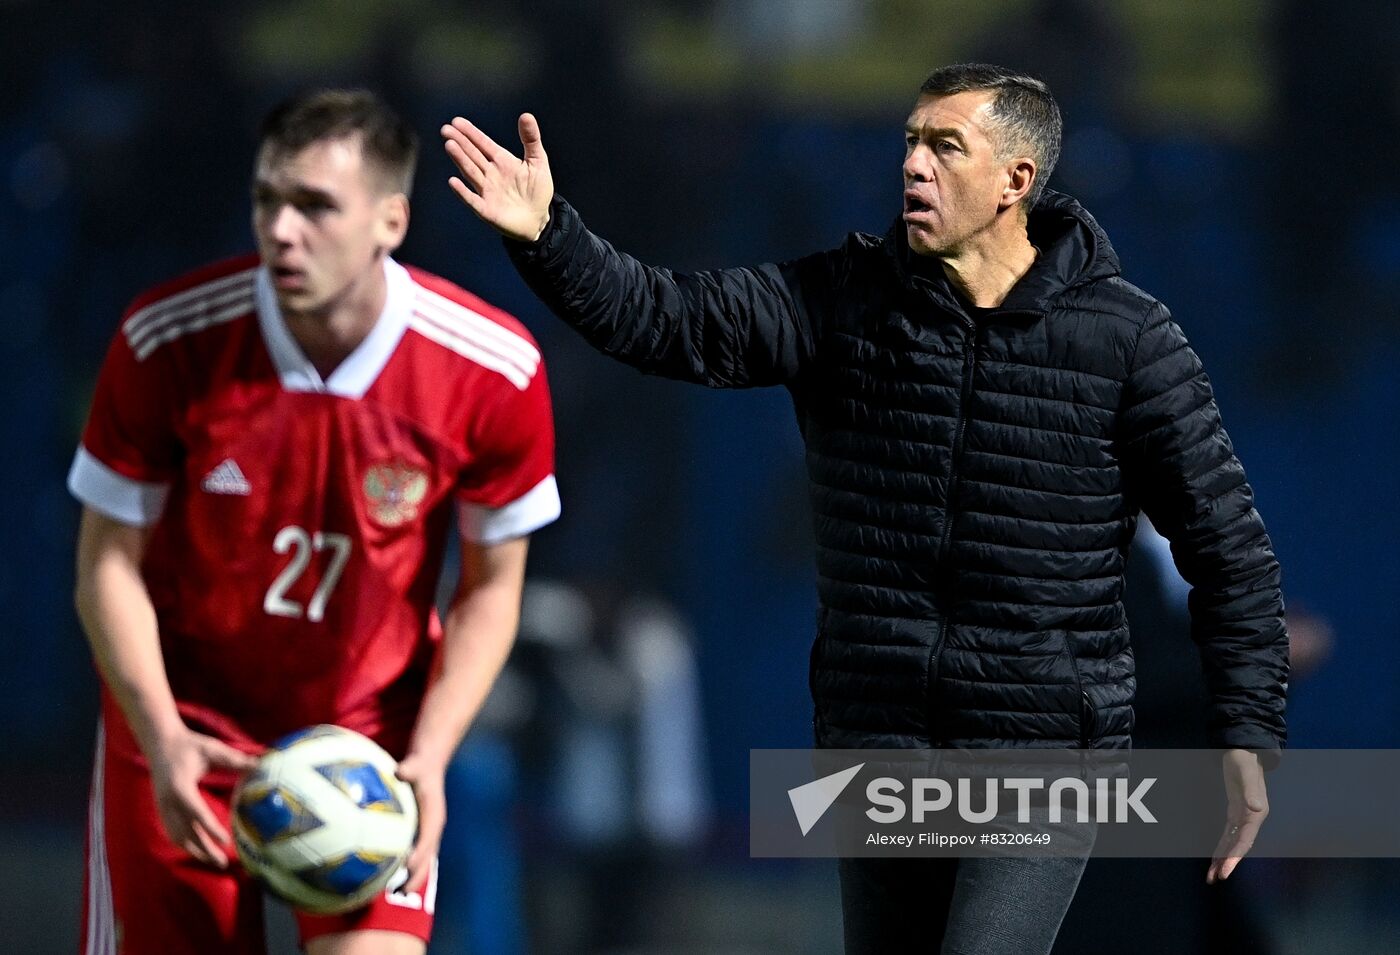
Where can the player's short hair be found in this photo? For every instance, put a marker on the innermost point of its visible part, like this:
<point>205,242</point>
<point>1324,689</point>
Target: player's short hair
<point>1025,117</point>
<point>387,142</point>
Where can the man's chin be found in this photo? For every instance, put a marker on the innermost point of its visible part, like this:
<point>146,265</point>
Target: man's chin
<point>296,301</point>
<point>920,241</point>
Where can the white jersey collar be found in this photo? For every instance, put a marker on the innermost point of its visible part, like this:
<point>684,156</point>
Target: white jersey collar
<point>353,376</point>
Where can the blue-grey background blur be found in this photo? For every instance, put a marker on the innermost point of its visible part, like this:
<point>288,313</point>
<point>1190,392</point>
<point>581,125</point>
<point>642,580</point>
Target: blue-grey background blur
<point>1240,153</point>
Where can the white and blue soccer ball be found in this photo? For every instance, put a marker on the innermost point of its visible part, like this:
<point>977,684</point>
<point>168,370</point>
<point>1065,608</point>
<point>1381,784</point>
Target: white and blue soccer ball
<point>323,821</point>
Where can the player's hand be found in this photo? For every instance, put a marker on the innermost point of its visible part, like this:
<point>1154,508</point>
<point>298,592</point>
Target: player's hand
<point>426,776</point>
<point>176,769</point>
<point>1248,806</point>
<point>507,192</point>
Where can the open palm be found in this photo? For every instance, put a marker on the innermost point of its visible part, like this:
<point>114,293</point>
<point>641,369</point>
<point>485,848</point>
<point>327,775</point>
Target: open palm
<point>509,192</point>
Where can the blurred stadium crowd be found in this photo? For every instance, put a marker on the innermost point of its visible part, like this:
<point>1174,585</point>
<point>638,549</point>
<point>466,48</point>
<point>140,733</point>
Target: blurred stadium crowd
<point>1239,152</point>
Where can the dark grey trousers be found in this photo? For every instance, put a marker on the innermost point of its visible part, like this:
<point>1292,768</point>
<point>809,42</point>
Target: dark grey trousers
<point>970,906</point>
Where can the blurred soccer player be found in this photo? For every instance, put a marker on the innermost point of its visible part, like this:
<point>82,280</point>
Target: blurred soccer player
<point>276,449</point>
<point>987,406</point>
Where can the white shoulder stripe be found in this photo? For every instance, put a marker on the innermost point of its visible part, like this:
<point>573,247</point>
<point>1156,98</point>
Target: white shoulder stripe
<point>468,349</point>
<point>485,334</point>
<point>470,336</point>
<point>178,301</point>
<point>157,325</point>
<point>470,324</point>
<point>196,322</point>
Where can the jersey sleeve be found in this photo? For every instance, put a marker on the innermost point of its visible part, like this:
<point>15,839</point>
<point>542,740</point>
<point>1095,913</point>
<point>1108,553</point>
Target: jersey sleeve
<point>130,453</point>
<point>509,489</point>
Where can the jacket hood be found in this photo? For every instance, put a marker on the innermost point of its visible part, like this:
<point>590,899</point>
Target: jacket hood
<point>1074,250</point>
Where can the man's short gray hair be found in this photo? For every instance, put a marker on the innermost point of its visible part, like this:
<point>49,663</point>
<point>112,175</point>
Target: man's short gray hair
<point>1025,117</point>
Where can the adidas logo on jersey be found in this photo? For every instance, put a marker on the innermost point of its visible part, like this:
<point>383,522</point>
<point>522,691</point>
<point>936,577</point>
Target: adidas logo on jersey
<point>227,478</point>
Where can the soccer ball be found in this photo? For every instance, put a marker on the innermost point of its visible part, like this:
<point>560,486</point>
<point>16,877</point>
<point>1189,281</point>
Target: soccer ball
<point>323,821</point>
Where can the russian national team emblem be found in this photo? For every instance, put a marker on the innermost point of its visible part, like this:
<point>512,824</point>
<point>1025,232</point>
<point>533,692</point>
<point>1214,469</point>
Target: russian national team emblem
<point>395,491</point>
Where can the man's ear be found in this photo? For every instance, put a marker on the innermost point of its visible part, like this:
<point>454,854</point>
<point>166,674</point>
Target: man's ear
<point>391,223</point>
<point>1020,177</point>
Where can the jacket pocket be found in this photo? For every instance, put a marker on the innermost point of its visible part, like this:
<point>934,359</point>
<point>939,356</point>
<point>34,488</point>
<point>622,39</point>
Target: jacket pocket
<point>1088,720</point>
<point>1088,716</point>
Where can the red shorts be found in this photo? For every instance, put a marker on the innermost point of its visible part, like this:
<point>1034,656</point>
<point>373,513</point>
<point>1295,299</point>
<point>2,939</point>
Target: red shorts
<point>144,895</point>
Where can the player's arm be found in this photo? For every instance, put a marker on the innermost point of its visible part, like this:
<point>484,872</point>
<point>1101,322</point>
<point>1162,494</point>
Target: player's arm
<point>477,636</point>
<point>729,328</point>
<point>120,622</point>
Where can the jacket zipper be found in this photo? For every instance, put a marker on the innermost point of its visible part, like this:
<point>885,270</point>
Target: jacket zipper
<point>945,542</point>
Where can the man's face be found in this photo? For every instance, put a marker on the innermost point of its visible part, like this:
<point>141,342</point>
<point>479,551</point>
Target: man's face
<point>953,184</point>
<point>322,217</point>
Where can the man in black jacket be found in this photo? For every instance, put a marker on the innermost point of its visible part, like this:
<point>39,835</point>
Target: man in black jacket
<point>987,406</point>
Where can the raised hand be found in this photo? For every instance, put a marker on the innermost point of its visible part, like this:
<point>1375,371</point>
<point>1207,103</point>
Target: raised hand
<point>510,193</point>
<point>176,769</point>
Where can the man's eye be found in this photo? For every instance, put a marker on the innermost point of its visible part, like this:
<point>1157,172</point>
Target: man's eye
<point>911,141</point>
<point>945,146</point>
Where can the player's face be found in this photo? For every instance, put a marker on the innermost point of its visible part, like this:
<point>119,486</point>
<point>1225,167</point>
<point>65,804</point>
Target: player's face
<point>323,221</point>
<point>954,185</point>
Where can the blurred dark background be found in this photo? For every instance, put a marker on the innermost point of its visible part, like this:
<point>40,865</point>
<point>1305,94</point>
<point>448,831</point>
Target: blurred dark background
<point>1240,153</point>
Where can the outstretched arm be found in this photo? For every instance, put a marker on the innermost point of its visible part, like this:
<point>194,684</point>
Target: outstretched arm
<point>731,328</point>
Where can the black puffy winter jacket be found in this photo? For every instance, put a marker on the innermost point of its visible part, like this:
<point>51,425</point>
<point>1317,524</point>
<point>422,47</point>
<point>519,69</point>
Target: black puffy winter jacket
<point>975,482</point>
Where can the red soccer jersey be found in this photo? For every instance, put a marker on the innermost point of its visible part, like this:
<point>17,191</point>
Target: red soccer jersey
<point>299,523</point>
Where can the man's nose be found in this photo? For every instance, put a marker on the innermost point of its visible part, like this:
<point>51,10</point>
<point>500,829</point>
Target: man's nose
<point>282,227</point>
<point>917,167</point>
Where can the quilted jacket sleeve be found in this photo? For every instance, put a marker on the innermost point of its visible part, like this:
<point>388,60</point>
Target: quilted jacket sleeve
<point>729,328</point>
<point>1180,464</point>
